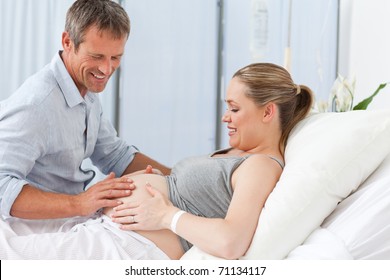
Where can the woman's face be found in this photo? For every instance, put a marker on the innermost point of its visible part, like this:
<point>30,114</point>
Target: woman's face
<point>243,118</point>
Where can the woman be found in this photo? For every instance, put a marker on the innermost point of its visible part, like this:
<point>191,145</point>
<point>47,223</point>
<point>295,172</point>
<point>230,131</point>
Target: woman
<point>222,194</point>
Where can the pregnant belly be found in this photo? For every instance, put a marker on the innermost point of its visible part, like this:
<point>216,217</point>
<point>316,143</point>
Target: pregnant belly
<point>166,240</point>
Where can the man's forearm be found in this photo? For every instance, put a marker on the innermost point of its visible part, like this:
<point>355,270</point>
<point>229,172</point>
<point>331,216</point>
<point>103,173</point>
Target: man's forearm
<point>140,162</point>
<point>33,203</point>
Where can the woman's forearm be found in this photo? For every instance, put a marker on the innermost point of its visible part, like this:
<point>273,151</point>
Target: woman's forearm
<point>218,237</point>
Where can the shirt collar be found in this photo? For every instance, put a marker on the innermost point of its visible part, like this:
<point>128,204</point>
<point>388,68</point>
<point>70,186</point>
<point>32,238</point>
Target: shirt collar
<point>67,85</point>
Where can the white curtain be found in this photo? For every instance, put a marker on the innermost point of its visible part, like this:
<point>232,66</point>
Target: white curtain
<point>30,35</point>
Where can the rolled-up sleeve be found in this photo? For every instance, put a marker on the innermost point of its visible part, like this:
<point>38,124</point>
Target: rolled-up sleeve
<point>10,189</point>
<point>111,154</point>
<point>20,146</point>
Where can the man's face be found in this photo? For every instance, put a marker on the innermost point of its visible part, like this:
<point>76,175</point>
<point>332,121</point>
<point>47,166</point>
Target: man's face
<point>95,61</point>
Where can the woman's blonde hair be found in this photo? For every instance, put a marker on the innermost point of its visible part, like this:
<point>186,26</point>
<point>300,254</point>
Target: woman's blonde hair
<point>267,82</point>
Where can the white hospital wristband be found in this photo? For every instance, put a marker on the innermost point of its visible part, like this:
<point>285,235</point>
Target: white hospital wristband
<point>175,219</point>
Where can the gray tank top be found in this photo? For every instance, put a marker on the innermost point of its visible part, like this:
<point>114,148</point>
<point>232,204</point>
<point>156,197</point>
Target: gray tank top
<point>202,185</point>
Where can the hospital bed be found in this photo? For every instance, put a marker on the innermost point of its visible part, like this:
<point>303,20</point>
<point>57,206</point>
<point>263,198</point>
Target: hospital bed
<point>333,198</point>
<point>331,202</point>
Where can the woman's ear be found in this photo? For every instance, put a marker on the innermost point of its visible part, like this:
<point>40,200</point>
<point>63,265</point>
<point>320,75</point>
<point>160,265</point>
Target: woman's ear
<point>269,112</point>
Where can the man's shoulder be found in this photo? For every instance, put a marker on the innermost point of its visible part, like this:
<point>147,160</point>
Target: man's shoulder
<point>37,88</point>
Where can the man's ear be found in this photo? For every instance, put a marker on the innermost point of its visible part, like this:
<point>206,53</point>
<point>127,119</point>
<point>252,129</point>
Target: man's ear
<point>269,112</point>
<point>66,41</point>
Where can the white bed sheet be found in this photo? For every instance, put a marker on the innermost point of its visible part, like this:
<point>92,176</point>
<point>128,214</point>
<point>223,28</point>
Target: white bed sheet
<point>359,228</point>
<point>93,238</point>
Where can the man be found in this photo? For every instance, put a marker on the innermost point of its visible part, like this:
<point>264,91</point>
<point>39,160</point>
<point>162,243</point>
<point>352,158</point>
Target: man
<point>54,121</point>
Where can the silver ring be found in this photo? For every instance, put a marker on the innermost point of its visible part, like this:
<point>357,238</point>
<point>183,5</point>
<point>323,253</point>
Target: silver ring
<point>133,220</point>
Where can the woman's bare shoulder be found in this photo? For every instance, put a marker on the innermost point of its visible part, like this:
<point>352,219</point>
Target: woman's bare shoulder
<point>259,166</point>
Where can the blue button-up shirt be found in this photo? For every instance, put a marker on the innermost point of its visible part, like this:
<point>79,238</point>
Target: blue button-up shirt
<point>47,130</point>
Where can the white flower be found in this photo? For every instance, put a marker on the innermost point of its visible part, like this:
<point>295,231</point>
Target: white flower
<point>341,97</point>
<point>322,106</point>
<point>342,93</point>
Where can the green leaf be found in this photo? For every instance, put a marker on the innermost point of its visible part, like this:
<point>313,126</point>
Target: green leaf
<point>364,103</point>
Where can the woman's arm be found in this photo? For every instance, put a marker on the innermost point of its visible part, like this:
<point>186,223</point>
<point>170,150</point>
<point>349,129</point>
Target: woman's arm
<point>229,238</point>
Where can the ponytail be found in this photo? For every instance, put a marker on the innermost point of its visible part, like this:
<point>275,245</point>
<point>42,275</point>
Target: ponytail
<point>304,102</point>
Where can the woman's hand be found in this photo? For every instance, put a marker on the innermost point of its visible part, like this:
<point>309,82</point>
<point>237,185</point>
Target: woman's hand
<point>153,213</point>
<point>148,170</point>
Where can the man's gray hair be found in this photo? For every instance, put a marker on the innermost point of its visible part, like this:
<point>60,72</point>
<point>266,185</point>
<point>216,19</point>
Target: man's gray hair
<point>106,15</point>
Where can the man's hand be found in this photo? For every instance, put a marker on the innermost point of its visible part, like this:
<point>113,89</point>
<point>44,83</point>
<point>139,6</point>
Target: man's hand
<point>104,194</point>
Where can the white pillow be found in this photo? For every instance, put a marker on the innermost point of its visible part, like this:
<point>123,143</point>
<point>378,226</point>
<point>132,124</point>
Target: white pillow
<point>327,157</point>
